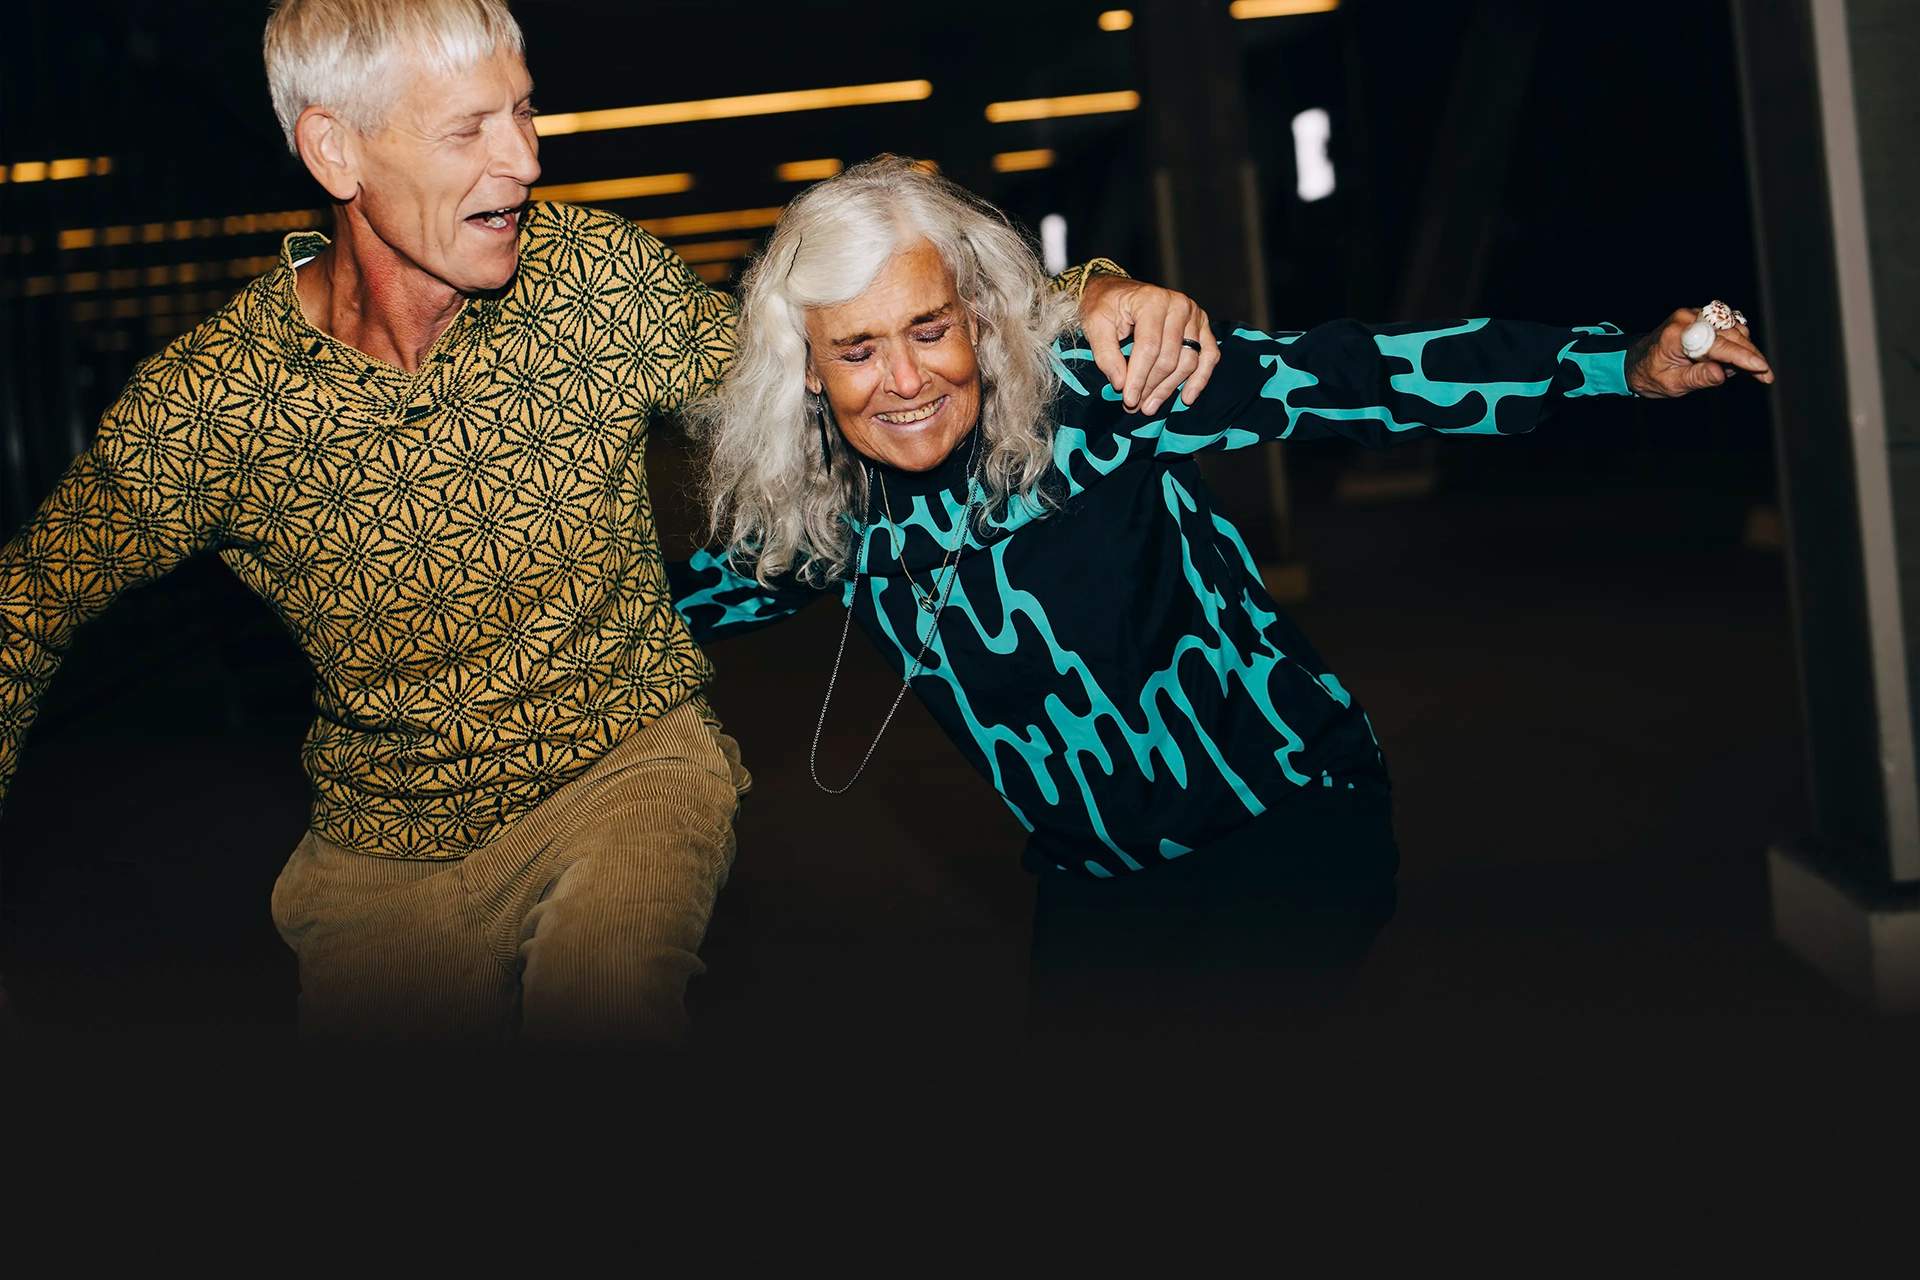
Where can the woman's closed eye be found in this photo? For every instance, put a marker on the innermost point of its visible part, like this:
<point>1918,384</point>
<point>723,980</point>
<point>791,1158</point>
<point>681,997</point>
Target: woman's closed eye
<point>925,337</point>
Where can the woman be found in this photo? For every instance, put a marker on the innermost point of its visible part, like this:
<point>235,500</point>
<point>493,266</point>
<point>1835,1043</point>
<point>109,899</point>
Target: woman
<point>913,427</point>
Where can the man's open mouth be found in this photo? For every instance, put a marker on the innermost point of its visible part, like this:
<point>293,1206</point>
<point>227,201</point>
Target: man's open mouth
<point>496,219</point>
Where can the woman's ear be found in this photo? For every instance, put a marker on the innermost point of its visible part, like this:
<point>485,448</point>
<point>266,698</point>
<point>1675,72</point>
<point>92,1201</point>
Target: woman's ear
<point>812,379</point>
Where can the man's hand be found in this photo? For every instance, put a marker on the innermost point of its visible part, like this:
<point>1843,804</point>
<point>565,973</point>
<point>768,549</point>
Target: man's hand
<point>1114,308</point>
<point>1658,368</point>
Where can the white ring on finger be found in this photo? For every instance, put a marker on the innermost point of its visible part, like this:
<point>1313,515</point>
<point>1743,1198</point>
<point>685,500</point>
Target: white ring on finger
<point>1698,338</point>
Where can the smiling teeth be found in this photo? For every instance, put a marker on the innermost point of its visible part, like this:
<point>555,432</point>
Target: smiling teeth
<point>916,415</point>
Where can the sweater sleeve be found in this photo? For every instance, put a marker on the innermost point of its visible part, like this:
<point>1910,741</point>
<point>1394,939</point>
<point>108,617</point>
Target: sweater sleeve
<point>141,499</point>
<point>1074,279</point>
<point>1366,383</point>
<point>718,600</point>
<point>688,328</point>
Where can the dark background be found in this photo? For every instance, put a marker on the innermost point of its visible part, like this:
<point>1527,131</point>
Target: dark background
<point>1576,648</point>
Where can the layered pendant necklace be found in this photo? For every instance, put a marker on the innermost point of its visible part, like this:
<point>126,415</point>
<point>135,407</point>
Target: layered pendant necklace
<point>931,601</point>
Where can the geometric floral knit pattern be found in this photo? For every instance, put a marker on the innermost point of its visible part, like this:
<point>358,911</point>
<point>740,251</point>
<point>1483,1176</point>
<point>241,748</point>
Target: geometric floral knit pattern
<point>466,555</point>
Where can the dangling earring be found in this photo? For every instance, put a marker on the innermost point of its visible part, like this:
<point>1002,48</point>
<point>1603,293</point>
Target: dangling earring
<point>819,403</point>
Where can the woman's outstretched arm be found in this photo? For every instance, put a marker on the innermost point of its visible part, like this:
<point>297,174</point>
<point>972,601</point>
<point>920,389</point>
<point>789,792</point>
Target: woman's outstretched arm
<point>1375,383</point>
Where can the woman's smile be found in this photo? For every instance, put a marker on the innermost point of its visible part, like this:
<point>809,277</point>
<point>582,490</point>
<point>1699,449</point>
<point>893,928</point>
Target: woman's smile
<point>913,417</point>
<point>897,364</point>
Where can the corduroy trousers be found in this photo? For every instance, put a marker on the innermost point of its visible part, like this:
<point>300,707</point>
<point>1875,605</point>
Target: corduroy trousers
<point>581,924</point>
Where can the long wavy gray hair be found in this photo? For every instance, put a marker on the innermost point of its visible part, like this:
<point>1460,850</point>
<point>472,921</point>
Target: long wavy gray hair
<point>770,496</point>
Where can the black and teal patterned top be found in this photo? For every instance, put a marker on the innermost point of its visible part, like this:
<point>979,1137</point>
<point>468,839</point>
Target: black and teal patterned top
<point>1112,663</point>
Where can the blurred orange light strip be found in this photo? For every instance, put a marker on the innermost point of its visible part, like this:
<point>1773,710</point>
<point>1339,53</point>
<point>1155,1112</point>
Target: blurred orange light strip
<point>1116,19</point>
<point>807,170</point>
<point>752,104</point>
<point>153,277</point>
<point>1082,104</point>
<point>56,170</point>
<point>239,224</point>
<point>715,250</point>
<point>699,224</point>
<point>1280,8</point>
<point>1023,161</point>
<point>656,184</point>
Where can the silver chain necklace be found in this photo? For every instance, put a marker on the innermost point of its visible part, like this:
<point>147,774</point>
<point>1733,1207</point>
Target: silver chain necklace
<point>920,593</point>
<point>950,566</point>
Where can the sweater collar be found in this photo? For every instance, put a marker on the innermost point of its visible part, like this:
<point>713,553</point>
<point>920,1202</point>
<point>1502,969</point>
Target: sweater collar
<point>476,318</point>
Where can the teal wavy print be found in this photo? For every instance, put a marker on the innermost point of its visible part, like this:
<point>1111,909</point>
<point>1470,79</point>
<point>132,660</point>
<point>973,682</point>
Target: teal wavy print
<point>1109,658</point>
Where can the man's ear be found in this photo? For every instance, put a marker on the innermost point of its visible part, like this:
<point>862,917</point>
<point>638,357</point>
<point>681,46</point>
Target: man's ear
<point>328,147</point>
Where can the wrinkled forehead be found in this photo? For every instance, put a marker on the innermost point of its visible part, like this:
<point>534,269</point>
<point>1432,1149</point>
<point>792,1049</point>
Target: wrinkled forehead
<point>914,284</point>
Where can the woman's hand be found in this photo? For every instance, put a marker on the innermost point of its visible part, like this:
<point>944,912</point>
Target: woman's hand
<point>1658,367</point>
<point>1160,322</point>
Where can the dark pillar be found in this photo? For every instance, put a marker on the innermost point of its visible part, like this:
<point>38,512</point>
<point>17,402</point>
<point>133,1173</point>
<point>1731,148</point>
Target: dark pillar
<point>1206,201</point>
<point>1460,201</point>
<point>1831,107</point>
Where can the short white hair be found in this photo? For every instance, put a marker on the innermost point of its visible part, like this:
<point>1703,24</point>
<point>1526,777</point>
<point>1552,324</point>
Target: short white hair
<point>771,496</point>
<point>348,55</point>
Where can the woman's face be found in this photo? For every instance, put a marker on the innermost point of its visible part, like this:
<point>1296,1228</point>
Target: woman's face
<point>897,363</point>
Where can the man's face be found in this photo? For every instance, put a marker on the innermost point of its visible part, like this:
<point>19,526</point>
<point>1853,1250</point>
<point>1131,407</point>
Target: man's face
<point>444,183</point>
<point>897,363</point>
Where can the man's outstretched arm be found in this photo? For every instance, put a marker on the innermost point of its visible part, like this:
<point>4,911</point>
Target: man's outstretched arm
<point>140,500</point>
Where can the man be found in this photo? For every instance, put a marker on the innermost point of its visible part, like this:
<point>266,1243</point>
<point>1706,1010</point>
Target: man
<point>421,441</point>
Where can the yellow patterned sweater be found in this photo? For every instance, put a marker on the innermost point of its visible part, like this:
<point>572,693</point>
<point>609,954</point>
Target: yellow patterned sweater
<point>466,555</point>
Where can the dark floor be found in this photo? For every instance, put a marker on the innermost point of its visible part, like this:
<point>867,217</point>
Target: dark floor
<point>1587,699</point>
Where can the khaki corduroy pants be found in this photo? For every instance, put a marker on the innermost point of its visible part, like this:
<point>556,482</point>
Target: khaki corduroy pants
<point>581,924</point>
